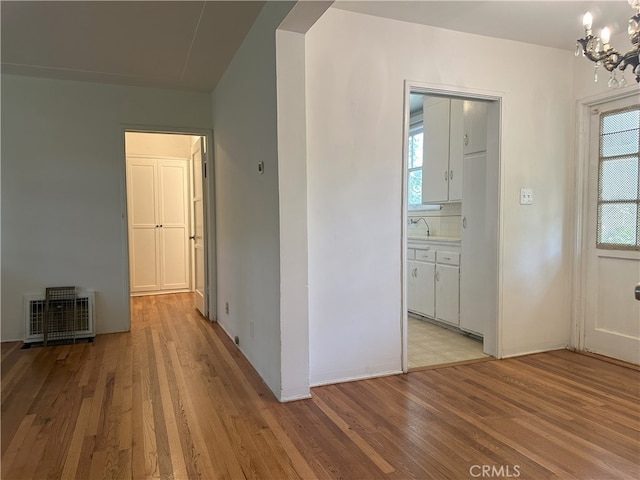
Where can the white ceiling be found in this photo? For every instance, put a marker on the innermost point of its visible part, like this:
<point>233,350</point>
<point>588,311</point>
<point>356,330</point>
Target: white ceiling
<point>173,44</point>
<point>189,44</point>
<point>550,23</point>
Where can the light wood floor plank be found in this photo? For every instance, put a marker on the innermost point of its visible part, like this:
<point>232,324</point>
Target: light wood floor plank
<point>175,398</point>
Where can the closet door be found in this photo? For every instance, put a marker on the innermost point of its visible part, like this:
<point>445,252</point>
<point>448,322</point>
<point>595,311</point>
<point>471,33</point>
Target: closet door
<point>144,265</point>
<point>173,218</point>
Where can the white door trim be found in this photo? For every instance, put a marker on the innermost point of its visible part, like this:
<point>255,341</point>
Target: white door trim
<point>209,213</point>
<point>581,168</point>
<point>469,94</point>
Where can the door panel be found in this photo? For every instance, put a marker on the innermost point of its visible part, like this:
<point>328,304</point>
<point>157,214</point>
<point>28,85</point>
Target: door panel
<point>143,230</point>
<point>174,257</point>
<point>143,256</point>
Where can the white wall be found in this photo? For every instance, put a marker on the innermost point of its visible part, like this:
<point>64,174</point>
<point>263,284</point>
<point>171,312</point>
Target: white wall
<point>63,187</point>
<point>158,144</point>
<point>248,241</point>
<point>356,66</point>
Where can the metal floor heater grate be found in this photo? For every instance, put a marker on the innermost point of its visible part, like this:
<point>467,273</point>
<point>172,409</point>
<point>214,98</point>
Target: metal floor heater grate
<point>60,315</point>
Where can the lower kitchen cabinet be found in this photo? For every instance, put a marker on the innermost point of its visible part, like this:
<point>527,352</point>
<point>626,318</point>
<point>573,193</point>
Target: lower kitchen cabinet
<point>421,287</point>
<point>448,294</point>
<point>433,282</point>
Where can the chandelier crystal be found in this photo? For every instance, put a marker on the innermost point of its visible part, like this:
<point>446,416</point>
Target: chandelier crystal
<point>598,50</point>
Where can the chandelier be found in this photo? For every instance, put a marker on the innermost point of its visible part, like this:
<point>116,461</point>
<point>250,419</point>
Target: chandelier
<point>598,50</point>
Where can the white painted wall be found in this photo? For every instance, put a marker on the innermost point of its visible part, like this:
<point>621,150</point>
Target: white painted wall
<point>356,66</point>
<point>247,207</point>
<point>158,144</point>
<point>63,187</point>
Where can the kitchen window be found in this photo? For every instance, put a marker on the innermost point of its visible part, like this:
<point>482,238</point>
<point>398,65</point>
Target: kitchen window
<point>414,183</point>
<point>619,180</point>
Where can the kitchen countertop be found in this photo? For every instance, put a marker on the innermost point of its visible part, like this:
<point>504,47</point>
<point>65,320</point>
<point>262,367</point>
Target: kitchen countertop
<point>433,239</point>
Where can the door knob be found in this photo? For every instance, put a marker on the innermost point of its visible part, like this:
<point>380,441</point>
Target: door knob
<point>638,292</point>
<point>192,237</point>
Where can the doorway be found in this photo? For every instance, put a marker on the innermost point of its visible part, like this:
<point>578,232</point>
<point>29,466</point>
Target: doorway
<point>450,226</point>
<point>166,198</point>
<point>611,239</point>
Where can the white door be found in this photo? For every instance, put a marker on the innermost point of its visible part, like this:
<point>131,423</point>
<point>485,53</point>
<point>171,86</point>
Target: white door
<point>611,244</point>
<point>197,234</point>
<point>475,292</point>
<point>173,218</point>
<point>158,214</point>
<point>144,266</point>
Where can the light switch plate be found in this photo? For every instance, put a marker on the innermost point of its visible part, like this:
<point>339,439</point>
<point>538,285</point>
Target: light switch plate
<point>526,196</point>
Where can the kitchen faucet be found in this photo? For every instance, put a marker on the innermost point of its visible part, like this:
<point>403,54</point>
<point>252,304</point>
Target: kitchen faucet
<point>413,221</point>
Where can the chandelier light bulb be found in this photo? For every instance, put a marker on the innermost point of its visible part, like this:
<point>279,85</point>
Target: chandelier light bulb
<point>587,21</point>
<point>605,36</point>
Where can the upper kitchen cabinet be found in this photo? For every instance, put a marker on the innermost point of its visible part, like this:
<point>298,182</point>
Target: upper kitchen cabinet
<point>443,150</point>
<point>475,127</point>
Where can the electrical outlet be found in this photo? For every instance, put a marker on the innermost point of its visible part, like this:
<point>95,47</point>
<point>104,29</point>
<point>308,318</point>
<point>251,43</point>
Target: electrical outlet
<point>526,196</point>
<point>226,308</point>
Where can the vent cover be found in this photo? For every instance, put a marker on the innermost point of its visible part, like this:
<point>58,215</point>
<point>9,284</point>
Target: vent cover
<point>34,316</point>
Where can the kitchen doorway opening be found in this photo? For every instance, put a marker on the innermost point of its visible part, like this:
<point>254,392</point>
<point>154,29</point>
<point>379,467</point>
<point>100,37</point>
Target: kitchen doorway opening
<point>450,230</point>
<point>168,241</point>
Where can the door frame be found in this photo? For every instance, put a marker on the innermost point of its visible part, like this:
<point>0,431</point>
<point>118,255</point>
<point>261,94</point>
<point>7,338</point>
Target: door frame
<point>581,198</point>
<point>208,213</point>
<point>493,341</point>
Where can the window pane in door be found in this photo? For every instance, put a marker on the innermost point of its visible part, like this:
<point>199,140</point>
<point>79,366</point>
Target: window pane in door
<point>619,179</point>
<point>618,224</point>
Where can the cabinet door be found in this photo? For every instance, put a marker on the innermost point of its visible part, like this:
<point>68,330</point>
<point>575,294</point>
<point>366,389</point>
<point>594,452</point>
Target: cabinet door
<point>435,151</point>
<point>144,239</point>
<point>476,296</point>
<point>456,147</point>
<point>475,126</point>
<point>173,212</point>
<point>411,286</point>
<point>425,288</point>
<point>448,293</point>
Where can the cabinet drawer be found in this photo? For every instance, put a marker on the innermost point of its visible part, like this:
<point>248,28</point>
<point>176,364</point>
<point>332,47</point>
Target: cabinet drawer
<point>449,258</point>
<point>411,253</point>
<point>425,255</point>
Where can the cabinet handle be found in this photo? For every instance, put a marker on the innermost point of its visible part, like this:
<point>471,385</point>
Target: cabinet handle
<point>451,175</point>
<point>446,175</point>
<point>464,222</point>
<point>466,139</point>
<point>415,272</point>
<point>437,276</point>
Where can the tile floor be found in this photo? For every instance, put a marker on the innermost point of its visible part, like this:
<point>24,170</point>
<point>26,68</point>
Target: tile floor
<point>430,344</point>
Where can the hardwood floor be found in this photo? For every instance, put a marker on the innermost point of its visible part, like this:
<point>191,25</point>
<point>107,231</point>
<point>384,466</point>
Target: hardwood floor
<point>175,399</point>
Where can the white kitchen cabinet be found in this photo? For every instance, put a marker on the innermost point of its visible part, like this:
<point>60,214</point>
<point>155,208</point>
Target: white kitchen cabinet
<point>443,127</point>
<point>435,150</point>
<point>158,216</point>
<point>421,283</point>
<point>447,288</point>
<point>476,298</point>
<point>475,127</point>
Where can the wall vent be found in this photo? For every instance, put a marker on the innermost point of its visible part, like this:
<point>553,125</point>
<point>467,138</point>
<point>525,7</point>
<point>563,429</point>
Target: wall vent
<point>34,316</point>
